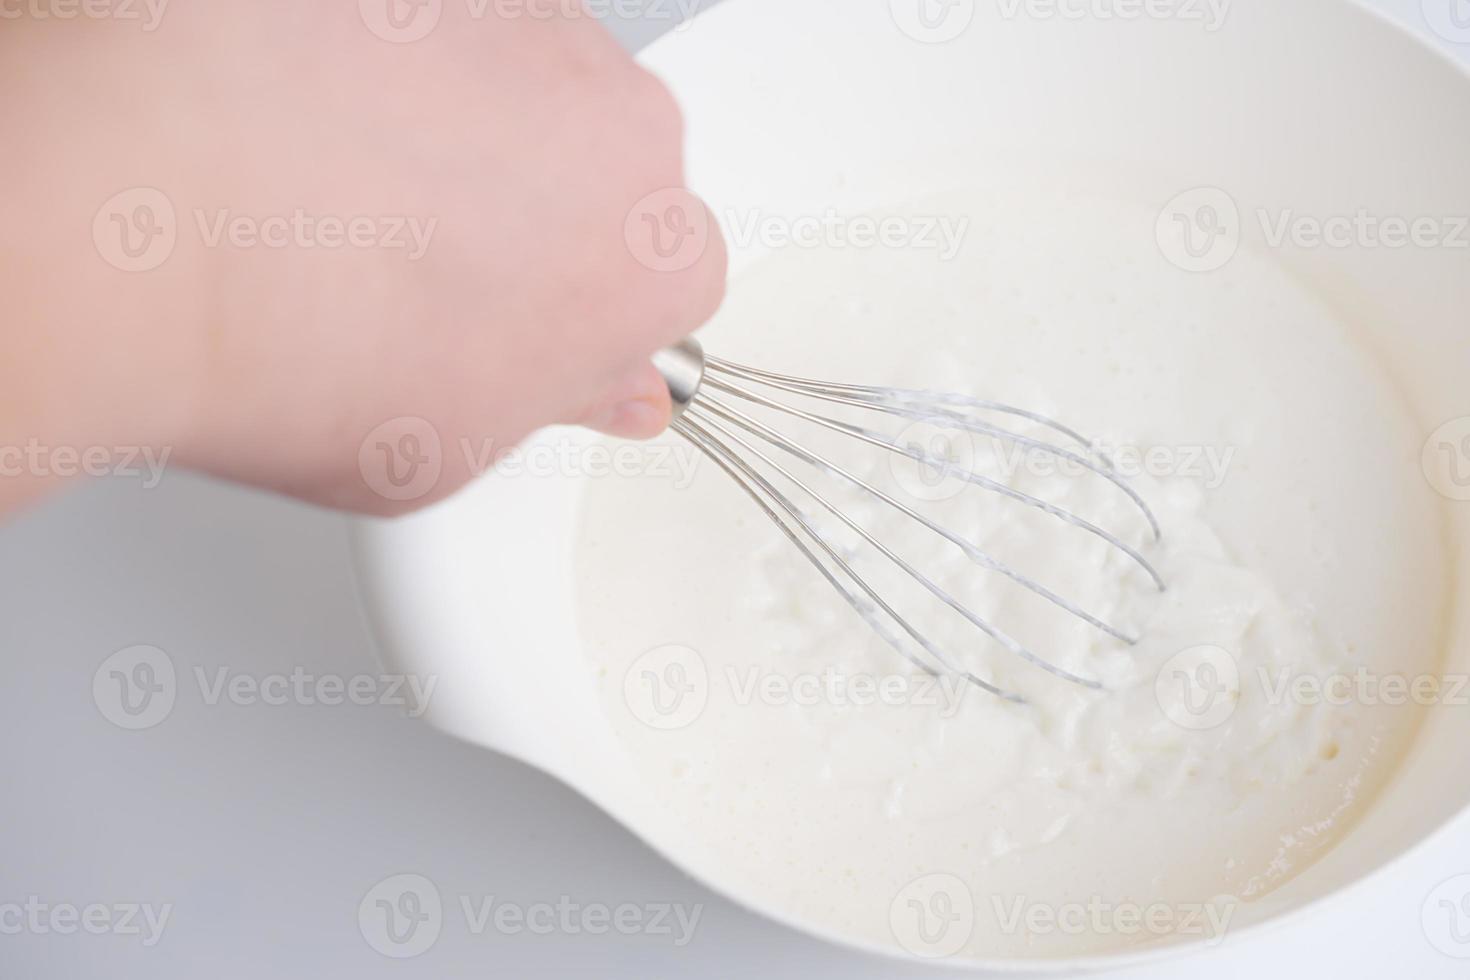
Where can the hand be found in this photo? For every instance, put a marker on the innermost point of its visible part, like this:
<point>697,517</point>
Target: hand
<point>490,169</point>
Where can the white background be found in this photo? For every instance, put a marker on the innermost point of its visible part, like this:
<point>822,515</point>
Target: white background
<point>265,826</point>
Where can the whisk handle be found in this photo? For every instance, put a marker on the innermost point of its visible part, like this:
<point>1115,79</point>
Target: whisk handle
<point>682,367</point>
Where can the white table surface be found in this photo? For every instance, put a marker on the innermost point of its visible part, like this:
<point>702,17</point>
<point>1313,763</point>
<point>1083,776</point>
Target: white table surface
<point>263,827</point>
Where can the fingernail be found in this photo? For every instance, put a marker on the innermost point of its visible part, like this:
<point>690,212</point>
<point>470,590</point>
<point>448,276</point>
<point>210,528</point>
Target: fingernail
<point>631,419</point>
<point>636,409</point>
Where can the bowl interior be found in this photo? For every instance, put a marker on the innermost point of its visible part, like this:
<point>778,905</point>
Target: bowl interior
<point>857,106</point>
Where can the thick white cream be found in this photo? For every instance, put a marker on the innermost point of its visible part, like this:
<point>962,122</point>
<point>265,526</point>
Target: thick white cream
<point>822,776</point>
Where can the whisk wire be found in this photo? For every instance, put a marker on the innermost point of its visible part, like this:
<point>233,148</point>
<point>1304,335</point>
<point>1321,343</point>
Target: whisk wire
<point>755,484</point>
<point>946,468</point>
<point>918,397</point>
<point>973,552</point>
<point>741,445</point>
<point>902,402</point>
<point>979,622</point>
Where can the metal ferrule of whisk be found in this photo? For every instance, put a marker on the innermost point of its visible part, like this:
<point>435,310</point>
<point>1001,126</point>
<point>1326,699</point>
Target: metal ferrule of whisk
<point>711,397</point>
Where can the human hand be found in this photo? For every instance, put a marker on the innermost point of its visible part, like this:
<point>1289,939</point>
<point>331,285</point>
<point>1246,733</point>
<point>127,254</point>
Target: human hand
<point>502,156</point>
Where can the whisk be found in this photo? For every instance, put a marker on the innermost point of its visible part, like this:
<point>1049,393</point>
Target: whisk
<point>706,393</point>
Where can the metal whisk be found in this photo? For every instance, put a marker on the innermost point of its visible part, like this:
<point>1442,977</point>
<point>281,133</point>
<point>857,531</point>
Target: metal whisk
<point>706,390</point>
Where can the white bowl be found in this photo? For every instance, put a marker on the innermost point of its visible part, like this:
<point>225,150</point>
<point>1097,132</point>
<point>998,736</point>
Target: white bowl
<point>1314,105</point>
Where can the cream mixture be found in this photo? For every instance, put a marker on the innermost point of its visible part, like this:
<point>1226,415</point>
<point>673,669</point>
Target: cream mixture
<point>821,775</point>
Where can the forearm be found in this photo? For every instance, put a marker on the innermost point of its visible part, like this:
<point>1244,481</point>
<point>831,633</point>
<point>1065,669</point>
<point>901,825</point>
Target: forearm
<point>94,355</point>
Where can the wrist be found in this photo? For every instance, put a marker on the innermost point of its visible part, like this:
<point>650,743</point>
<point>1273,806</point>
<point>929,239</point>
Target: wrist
<point>101,292</point>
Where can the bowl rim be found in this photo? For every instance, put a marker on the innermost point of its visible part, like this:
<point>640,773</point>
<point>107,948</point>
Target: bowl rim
<point>1423,42</point>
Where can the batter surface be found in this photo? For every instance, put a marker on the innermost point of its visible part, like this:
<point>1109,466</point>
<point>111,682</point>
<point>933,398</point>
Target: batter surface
<point>819,774</point>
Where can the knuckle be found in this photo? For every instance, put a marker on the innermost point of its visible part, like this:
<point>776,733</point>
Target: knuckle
<point>681,302</point>
<point>654,109</point>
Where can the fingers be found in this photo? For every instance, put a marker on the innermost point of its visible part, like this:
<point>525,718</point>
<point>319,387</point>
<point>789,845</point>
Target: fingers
<point>637,406</point>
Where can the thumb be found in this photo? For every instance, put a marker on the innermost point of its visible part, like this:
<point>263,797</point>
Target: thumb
<point>636,406</point>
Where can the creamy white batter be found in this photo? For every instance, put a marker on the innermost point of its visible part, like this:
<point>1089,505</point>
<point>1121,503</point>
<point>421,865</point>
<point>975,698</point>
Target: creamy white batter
<point>823,777</point>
